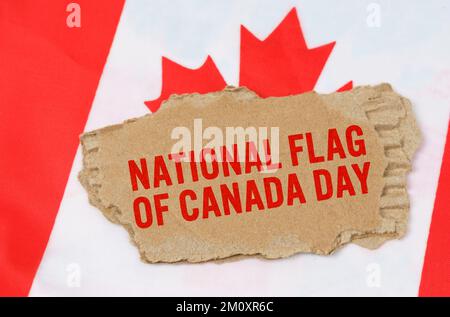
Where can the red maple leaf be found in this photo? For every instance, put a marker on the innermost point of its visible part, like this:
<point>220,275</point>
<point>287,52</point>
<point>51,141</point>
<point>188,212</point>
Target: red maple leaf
<point>280,65</point>
<point>347,86</point>
<point>177,79</point>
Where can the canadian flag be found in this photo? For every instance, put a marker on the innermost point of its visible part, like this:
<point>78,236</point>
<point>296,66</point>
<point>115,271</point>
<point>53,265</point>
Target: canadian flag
<point>73,66</point>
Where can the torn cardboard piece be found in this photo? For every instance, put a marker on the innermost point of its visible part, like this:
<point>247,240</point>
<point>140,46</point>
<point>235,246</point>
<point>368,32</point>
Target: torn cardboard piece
<point>344,159</point>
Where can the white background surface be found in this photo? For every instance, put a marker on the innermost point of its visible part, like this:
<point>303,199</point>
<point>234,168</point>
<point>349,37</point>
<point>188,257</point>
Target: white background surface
<point>87,255</point>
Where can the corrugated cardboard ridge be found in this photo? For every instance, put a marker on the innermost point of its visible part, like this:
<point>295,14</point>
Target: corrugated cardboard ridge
<point>392,118</point>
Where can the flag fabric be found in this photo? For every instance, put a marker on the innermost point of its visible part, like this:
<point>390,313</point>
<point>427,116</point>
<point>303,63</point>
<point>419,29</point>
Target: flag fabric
<point>73,66</point>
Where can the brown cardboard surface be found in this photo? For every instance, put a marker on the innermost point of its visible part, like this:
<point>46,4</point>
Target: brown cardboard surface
<point>390,138</point>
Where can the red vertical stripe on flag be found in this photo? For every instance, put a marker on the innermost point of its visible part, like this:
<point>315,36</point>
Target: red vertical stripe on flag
<point>436,268</point>
<point>49,75</point>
